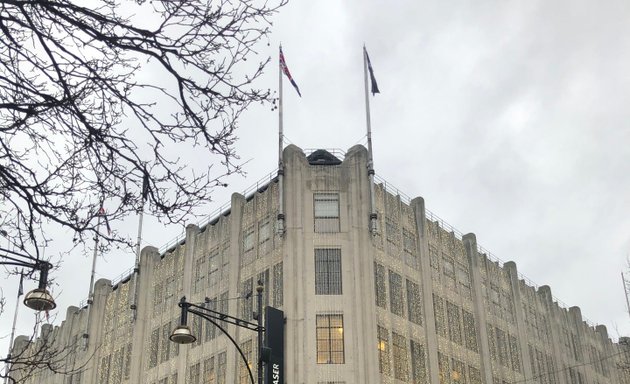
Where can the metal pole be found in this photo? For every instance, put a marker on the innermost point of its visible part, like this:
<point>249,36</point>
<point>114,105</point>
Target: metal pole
<point>259,290</point>
<point>280,221</point>
<point>625,292</point>
<point>370,164</point>
<point>86,335</point>
<point>15,315</point>
<point>136,267</point>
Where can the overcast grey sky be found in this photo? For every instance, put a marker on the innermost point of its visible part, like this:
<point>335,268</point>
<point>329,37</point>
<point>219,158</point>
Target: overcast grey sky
<point>510,118</point>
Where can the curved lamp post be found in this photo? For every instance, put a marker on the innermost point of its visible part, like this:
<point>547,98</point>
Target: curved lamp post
<point>183,335</point>
<point>39,298</point>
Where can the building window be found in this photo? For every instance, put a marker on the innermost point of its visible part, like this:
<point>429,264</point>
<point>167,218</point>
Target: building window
<point>247,301</point>
<point>248,246</point>
<point>380,287</point>
<point>458,372</point>
<point>328,272</point>
<point>221,367</point>
<point>263,279</point>
<point>418,367</point>
<point>438,310</point>
<point>154,349</point>
<point>453,318</point>
<point>264,231</point>
<point>208,371</point>
<point>193,374</point>
<point>474,374</point>
<point>401,367</point>
<point>277,286</point>
<point>470,333</point>
<point>414,303</point>
<point>200,274</point>
<point>383,351</point>
<point>213,268</point>
<point>243,375</point>
<point>165,343</point>
<point>396,303</point>
<point>330,348</point>
<point>326,207</point>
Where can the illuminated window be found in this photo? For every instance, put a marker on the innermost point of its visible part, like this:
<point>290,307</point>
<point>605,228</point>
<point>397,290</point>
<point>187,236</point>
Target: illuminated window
<point>326,207</point>
<point>383,351</point>
<point>330,348</point>
<point>328,272</point>
<point>243,375</point>
<point>209,376</point>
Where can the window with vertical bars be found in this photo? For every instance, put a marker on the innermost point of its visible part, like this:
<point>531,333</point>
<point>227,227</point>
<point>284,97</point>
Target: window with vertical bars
<point>401,366</point>
<point>396,303</point>
<point>418,367</point>
<point>328,272</point>
<point>330,346</point>
<point>380,286</point>
<point>414,303</point>
<point>326,212</point>
<point>384,364</point>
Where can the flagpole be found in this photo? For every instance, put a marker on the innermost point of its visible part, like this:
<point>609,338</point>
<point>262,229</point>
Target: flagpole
<point>136,267</point>
<point>280,226</point>
<point>15,315</point>
<point>370,165</point>
<point>86,335</point>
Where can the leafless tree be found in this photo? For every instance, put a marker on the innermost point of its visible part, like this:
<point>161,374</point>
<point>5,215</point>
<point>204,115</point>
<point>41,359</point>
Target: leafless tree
<point>94,98</point>
<point>35,358</point>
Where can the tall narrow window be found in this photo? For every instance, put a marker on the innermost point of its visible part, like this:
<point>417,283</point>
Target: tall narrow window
<point>247,302</point>
<point>380,286</point>
<point>221,367</point>
<point>470,333</point>
<point>453,318</point>
<point>154,349</point>
<point>200,274</point>
<point>213,267</point>
<point>383,351</point>
<point>328,272</point>
<point>401,366</point>
<point>396,303</point>
<point>418,367</point>
<point>326,207</point>
<point>263,278</point>
<point>277,285</point>
<point>330,347</point>
<point>208,371</point>
<point>166,343</point>
<point>438,309</point>
<point>414,303</point>
<point>193,374</point>
<point>243,376</point>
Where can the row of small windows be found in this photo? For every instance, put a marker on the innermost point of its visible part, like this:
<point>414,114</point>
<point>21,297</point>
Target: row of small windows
<point>271,291</point>
<point>203,330</point>
<point>408,362</point>
<point>211,371</point>
<point>451,370</point>
<point>397,292</point>
<point>455,323</point>
<point>504,348</point>
<point>113,369</point>
<point>265,241</point>
<point>451,274</point>
<point>161,349</point>
<point>210,270</point>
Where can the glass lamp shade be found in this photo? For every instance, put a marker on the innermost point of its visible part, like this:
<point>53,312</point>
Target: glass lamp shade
<point>39,300</point>
<point>182,335</point>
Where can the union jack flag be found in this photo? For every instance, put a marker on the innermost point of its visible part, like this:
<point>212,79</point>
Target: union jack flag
<point>285,70</point>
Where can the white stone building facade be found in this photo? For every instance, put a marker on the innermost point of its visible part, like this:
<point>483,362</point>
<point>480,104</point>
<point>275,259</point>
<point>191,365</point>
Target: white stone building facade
<point>414,302</point>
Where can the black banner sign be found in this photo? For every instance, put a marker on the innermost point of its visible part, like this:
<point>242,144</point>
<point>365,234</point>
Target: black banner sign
<point>274,340</point>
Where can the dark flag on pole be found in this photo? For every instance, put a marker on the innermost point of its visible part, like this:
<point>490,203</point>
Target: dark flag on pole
<point>372,78</point>
<point>145,186</point>
<point>101,212</point>
<point>285,70</point>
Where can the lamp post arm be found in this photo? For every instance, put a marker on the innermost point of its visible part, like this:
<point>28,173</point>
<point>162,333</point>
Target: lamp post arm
<point>225,317</point>
<point>211,319</point>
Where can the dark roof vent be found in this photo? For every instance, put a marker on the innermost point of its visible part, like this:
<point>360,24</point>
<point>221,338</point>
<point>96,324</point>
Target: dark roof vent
<point>322,157</point>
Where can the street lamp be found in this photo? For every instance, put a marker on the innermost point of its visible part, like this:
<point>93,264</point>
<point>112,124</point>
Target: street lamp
<point>39,298</point>
<point>183,335</point>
